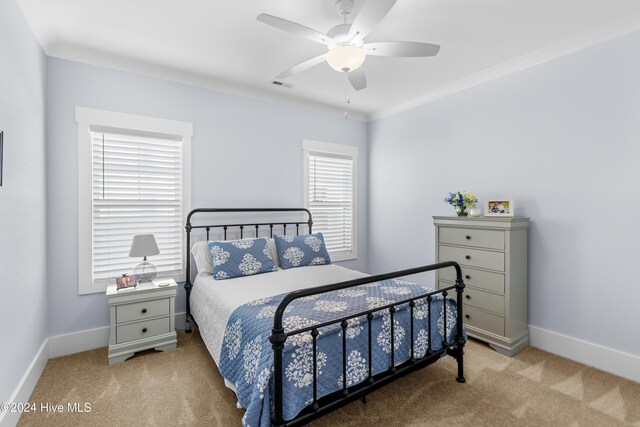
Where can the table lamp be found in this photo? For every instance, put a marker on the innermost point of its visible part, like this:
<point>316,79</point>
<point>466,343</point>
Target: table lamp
<point>144,245</point>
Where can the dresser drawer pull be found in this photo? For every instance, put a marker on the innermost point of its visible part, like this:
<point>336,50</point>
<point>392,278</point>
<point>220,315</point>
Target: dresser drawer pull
<point>467,256</point>
<point>144,330</point>
<point>467,277</point>
<point>467,237</point>
<point>467,316</point>
<point>468,296</point>
<point>144,310</point>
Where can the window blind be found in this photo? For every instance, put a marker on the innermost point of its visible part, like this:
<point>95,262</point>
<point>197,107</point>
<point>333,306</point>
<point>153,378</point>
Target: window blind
<point>331,199</point>
<point>137,188</point>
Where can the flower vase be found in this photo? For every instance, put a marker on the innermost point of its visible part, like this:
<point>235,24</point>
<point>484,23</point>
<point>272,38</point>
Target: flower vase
<point>462,211</point>
<point>474,211</point>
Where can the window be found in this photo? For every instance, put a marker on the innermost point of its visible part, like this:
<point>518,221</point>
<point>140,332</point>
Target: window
<point>330,194</point>
<point>133,179</point>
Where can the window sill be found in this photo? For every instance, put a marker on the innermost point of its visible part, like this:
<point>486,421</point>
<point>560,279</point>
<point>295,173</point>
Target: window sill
<point>349,256</point>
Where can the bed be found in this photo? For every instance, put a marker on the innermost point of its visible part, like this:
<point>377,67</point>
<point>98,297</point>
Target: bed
<point>286,340</point>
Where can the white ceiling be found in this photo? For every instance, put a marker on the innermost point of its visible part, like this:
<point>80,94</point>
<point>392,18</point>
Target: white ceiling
<point>221,45</point>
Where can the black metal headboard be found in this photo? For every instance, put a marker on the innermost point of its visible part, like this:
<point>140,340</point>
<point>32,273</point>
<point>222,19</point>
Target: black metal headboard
<point>241,227</point>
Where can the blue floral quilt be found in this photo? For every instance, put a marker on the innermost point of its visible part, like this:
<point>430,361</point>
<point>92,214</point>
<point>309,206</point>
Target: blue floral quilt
<point>247,357</point>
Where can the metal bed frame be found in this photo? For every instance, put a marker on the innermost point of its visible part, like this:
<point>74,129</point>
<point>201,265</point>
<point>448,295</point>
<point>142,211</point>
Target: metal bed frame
<point>326,404</point>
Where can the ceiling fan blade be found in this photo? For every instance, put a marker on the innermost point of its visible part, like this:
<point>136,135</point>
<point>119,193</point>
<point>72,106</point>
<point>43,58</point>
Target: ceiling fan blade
<point>303,66</point>
<point>297,29</point>
<point>401,49</point>
<point>372,12</point>
<point>357,78</point>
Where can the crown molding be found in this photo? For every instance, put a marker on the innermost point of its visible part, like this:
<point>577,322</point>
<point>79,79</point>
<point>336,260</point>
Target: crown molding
<point>565,47</point>
<point>116,62</point>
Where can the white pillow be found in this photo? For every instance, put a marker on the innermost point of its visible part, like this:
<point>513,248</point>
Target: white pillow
<point>274,252</point>
<point>202,256</point>
<point>204,259</point>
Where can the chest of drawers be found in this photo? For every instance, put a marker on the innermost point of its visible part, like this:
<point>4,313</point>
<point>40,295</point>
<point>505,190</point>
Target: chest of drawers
<point>492,252</point>
<point>141,318</point>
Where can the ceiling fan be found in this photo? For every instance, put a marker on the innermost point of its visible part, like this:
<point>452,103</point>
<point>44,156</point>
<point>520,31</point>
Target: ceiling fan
<point>346,44</point>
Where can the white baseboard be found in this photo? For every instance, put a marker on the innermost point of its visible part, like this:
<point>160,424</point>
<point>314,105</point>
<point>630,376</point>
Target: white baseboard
<point>26,385</point>
<point>75,342</point>
<point>607,359</point>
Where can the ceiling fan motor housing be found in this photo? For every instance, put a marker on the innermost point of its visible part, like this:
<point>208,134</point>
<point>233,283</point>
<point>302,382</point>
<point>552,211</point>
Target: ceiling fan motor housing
<point>340,33</point>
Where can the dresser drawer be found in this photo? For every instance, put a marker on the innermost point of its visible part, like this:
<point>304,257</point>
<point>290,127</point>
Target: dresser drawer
<point>142,310</point>
<point>483,320</point>
<point>144,329</point>
<point>472,257</point>
<point>478,298</point>
<point>484,300</point>
<point>490,239</point>
<point>476,278</point>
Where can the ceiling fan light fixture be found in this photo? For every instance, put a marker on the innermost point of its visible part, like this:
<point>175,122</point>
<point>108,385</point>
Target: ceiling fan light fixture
<point>346,57</point>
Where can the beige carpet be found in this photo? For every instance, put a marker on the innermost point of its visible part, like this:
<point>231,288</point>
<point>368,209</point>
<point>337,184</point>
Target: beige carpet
<point>184,387</point>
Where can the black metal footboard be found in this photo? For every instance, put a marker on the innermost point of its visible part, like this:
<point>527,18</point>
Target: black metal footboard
<point>340,398</point>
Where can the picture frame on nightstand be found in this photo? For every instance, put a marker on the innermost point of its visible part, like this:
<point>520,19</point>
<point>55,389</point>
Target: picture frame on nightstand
<point>126,282</point>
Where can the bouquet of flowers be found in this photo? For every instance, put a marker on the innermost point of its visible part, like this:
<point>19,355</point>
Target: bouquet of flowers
<point>461,201</point>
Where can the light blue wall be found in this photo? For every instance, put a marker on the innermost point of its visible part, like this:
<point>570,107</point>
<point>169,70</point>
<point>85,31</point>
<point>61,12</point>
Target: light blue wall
<point>245,153</point>
<point>22,198</point>
<point>563,140</point>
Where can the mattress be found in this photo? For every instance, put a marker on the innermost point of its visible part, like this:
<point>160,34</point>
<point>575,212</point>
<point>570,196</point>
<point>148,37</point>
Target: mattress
<point>213,301</point>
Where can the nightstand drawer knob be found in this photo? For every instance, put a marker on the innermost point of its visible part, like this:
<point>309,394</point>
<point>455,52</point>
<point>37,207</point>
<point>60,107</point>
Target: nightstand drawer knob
<point>468,256</point>
<point>467,277</point>
<point>468,237</point>
<point>468,296</point>
<point>144,330</point>
<point>467,316</point>
<point>144,310</point>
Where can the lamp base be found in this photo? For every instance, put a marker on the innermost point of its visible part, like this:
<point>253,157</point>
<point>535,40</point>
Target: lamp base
<point>145,271</point>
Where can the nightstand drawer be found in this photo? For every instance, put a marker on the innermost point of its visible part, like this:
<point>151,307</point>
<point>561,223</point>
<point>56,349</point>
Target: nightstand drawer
<point>490,239</point>
<point>145,329</point>
<point>476,278</point>
<point>472,257</point>
<point>483,320</point>
<point>142,310</point>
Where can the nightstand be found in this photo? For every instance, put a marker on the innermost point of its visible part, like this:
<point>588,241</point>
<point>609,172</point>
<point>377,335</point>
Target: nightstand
<point>141,318</point>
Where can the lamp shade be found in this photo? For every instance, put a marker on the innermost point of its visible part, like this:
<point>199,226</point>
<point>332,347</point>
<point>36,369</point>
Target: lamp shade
<point>143,245</point>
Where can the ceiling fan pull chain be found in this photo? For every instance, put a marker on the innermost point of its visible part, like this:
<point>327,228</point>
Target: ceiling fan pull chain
<point>347,101</point>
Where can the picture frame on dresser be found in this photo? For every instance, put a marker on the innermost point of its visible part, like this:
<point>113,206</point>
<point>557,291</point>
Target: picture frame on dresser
<point>499,207</point>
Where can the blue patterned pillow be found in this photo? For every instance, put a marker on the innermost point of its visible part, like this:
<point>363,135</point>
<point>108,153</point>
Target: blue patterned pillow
<point>300,251</point>
<point>237,258</point>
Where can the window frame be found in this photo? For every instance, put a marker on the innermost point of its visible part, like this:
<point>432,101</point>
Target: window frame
<point>332,149</point>
<point>87,117</point>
